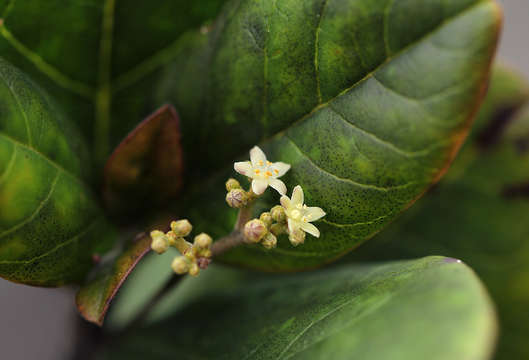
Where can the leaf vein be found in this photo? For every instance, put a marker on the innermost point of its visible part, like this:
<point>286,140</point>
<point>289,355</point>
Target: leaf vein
<point>37,209</point>
<point>50,71</point>
<point>352,182</point>
<point>56,248</point>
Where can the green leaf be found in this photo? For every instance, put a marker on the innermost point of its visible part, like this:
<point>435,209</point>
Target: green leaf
<point>368,107</point>
<point>432,308</point>
<point>146,168</point>
<point>480,212</point>
<point>99,57</point>
<point>94,297</point>
<point>50,223</point>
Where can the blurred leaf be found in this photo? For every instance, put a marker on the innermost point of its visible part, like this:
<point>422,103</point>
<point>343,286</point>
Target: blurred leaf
<point>50,224</point>
<point>146,168</point>
<point>99,58</point>
<point>432,308</point>
<point>93,299</point>
<point>368,107</point>
<point>480,213</point>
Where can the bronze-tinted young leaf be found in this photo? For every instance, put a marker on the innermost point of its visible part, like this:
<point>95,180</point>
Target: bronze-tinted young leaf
<point>433,308</point>
<point>480,213</point>
<point>367,106</point>
<point>146,167</point>
<point>94,297</point>
<point>50,223</point>
<point>99,58</point>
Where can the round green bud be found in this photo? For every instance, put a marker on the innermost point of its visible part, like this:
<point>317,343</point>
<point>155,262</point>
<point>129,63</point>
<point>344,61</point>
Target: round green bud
<point>278,214</point>
<point>255,230</point>
<point>269,241</point>
<point>237,198</point>
<point>180,265</point>
<point>297,237</point>
<point>278,229</point>
<point>194,270</point>
<point>232,184</point>
<point>160,242</point>
<point>266,218</point>
<point>181,227</point>
<point>203,241</point>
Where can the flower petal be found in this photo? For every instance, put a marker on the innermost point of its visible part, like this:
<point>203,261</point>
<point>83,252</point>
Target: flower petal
<point>278,185</point>
<point>281,168</point>
<point>292,225</point>
<point>243,168</point>
<point>297,196</point>
<point>311,229</point>
<point>285,202</point>
<point>257,156</point>
<point>259,186</point>
<point>314,213</point>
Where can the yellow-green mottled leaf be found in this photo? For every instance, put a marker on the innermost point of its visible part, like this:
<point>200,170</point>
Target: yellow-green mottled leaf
<point>480,212</point>
<point>50,223</point>
<point>367,105</point>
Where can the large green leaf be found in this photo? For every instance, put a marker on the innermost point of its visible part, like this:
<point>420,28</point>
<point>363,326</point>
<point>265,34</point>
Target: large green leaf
<point>50,224</point>
<point>432,308</point>
<point>480,212</point>
<point>98,57</point>
<point>368,107</point>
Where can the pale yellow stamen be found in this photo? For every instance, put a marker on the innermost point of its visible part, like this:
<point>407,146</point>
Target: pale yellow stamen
<point>276,171</point>
<point>261,163</point>
<point>268,174</point>
<point>257,171</point>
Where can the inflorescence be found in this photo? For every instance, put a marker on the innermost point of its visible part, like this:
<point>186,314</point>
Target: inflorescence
<point>292,217</point>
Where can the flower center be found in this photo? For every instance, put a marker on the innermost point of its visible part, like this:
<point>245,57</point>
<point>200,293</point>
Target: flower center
<point>295,214</point>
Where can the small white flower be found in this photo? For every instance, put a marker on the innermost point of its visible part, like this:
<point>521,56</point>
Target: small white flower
<point>262,172</point>
<point>299,216</point>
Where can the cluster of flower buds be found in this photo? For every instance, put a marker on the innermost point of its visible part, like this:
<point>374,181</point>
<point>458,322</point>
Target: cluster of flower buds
<point>195,256</point>
<point>266,229</point>
<point>237,197</point>
<point>292,217</point>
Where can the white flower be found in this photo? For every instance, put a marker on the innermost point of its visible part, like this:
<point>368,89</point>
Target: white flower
<point>299,216</point>
<point>262,172</point>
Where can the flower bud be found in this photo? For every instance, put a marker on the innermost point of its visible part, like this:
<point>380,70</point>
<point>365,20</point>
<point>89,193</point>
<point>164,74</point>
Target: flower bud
<point>278,214</point>
<point>203,241</point>
<point>160,242</point>
<point>278,229</point>
<point>254,230</point>
<point>232,184</point>
<point>180,265</point>
<point>237,198</point>
<point>181,227</point>
<point>269,241</point>
<point>194,270</point>
<point>266,218</point>
<point>297,237</point>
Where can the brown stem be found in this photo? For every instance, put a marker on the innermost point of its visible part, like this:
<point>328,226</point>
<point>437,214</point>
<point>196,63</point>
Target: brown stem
<point>219,247</point>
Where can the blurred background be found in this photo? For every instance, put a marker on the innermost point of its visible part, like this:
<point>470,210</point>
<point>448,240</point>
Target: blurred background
<point>41,323</point>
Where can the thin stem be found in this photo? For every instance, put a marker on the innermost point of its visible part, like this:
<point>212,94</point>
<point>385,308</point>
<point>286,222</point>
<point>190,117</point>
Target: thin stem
<point>234,239</point>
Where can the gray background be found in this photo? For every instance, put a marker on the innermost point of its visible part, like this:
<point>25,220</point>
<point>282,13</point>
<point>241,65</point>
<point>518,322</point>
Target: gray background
<point>40,323</point>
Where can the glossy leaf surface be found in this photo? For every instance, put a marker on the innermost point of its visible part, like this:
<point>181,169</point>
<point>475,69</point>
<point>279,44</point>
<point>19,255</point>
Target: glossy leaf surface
<point>367,106</point>
<point>480,212</point>
<point>50,223</point>
<point>432,308</point>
